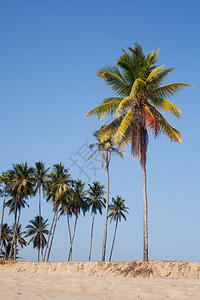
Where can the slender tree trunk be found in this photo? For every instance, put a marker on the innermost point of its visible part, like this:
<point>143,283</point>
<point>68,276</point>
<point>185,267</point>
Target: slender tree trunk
<point>14,232</point>
<point>106,217</point>
<point>39,254</point>
<point>56,215</point>
<point>49,237</point>
<point>15,241</point>
<point>145,228</point>
<point>70,250</point>
<point>40,223</point>
<point>91,236</point>
<point>113,240</point>
<point>4,198</point>
<point>70,236</point>
<point>6,246</point>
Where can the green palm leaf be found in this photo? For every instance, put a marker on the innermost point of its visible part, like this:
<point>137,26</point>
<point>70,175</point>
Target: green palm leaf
<point>112,76</point>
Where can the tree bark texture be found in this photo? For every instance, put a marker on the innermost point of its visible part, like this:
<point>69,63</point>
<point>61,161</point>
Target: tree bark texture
<point>91,236</point>
<point>106,216</point>
<point>113,240</point>
<point>145,224</point>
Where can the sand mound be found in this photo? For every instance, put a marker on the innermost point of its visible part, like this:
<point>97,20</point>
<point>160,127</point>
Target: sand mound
<point>133,269</point>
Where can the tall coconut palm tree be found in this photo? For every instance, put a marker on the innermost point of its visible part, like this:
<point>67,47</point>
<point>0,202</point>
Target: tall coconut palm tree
<point>117,212</point>
<point>40,179</point>
<point>21,188</point>
<point>57,184</point>
<point>96,202</point>
<point>5,179</point>
<point>137,81</point>
<point>77,203</point>
<point>106,149</point>
<point>37,229</point>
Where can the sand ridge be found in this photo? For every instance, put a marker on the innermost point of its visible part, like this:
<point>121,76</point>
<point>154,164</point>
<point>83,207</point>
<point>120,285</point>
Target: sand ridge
<point>132,269</point>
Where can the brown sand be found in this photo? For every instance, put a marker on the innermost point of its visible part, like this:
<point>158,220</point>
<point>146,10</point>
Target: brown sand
<point>100,280</point>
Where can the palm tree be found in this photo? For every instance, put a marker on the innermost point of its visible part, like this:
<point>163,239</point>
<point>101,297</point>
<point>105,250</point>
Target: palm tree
<point>77,203</point>
<point>5,179</point>
<point>117,211</point>
<point>6,238</point>
<point>7,234</point>
<point>57,184</point>
<point>39,178</point>
<point>37,230</point>
<point>66,210</point>
<point>135,110</point>
<point>106,149</point>
<point>21,188</point>
<point>96,202</point>
<point>20,239</point>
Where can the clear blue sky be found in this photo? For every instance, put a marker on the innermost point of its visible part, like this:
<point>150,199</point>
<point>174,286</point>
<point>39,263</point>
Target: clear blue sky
<point>49,54</point>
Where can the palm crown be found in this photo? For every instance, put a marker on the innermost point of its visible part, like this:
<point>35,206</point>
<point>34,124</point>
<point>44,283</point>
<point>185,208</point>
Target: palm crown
<point>140,97</point>
<point>117,209</point>
<point>95,198</point>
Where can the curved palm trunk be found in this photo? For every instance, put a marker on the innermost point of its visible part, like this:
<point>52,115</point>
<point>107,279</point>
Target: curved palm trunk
<point>70,236</point>
<point>14,232</point>
<point>106,217</point>
<point>70,250</point>
<point>145,228</point>
<point>40,223</point>
<point>91,236</point>
<point>111,251</point>
<point>50,232</point>
<point>56,215</point>
<point>4,198</point>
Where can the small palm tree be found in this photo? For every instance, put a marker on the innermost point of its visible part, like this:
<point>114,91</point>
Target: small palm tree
<point>117,212</point>
<point>21,188</point>
<point>7,234</point>
<point>77,203</point>
<point>5,179</point>
<point>37,230</point>
<point>137,81</point>
<point>96,202</point>
<point>40,174</point>
<point>6,238</point>
<point>57,184</point>
<point>106,149</point>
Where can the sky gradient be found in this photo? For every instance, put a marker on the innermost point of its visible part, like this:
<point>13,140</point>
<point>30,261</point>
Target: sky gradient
<point>49,54</point>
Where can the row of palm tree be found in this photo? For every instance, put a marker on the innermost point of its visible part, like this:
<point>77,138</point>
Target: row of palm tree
<point>69,197</point>
<point>136,109</point>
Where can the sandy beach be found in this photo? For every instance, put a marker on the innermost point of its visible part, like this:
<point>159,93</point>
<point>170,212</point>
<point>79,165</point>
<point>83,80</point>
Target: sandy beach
<point>97,280</point>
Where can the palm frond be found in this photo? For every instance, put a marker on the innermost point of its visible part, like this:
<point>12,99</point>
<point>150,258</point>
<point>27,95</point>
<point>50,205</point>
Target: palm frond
<point>113,78</point>
<point>110,130</point>
<point>103,109</point>
<point>166,105</point>
<point>125,124</point>
<point>125,62</point>
<point>170,89</point>
<point>126,102</point>
<point>154,73</point>
<point>169,131</point>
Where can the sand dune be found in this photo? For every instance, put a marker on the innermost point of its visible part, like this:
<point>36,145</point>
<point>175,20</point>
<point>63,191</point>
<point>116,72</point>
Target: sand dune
<point>100,280</point>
